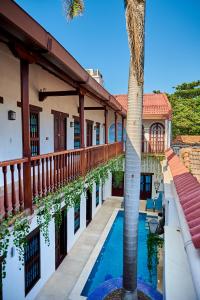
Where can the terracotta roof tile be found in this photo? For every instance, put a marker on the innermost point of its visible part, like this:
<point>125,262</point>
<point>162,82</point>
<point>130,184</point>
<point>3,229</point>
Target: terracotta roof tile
<point>187,139</point>
<point>157,104</point>
<point>188,190</point>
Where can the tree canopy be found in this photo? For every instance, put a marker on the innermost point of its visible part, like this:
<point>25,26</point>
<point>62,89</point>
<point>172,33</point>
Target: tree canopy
<point>185,103</point>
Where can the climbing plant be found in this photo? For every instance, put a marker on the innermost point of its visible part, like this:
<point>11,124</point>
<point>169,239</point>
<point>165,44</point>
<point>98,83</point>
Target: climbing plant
<point>154,244</point>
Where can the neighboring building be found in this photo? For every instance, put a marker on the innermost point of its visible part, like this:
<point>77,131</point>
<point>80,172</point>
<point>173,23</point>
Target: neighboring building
<point>191,159</point>
<point>185,141</point>
<point>182,231</point>
<point>96,75</point>
<point>156,138</point>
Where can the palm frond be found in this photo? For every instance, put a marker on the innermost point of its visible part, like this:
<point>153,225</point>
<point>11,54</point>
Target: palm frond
<point>135,10</point>
<point>73,8</point>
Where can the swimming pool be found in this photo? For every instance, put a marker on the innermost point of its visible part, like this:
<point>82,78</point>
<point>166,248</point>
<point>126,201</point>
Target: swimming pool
<point>109,263</point>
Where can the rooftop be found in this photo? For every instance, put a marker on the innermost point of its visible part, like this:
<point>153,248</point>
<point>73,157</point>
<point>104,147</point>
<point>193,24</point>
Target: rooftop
<point>187,139</point>
<point>188,190</point>
<point>153,105</point>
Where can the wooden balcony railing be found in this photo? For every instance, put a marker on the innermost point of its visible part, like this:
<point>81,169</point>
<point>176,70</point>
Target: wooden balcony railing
<point>150,147</point>
<point>49,172</point>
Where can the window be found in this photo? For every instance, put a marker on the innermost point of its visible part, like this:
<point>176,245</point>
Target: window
<point>34,132</point>
<point>97,133</point>
<point>32,260</point>
<point>97,194</point>
<point>76,217</point>
<point>77,137</point>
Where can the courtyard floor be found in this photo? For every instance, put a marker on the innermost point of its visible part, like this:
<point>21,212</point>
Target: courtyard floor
<point>61,283</point>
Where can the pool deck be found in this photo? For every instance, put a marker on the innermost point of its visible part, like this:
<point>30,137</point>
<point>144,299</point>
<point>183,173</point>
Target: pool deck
<point>61,283</point>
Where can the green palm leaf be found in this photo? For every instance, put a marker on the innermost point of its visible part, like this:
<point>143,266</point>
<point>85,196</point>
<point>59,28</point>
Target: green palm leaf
<point>73,8</point>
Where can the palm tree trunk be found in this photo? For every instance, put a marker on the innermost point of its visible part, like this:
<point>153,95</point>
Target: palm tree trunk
<point>135,12</point>
<point>132,186</point>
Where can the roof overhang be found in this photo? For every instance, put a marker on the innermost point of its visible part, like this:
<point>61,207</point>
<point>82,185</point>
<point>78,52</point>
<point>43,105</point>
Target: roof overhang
<point>16,26</point>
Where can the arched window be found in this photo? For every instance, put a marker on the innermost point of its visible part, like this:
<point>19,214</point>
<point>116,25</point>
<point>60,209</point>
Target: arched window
<point>157,138</point>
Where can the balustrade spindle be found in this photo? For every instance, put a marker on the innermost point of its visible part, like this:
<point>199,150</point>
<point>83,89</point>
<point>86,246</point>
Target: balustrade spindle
<point>47,176</point>
<point>51,175</point>
<point>6,204</point>
<point>13,192</point>
<point>39,179</point>
<point>43,179</point>
<point>21,198</point>
<point>54,172</point>
<point>34,181</point>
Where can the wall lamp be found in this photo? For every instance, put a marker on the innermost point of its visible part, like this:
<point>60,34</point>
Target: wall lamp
<point>71,124</point>
<point>11,115</point>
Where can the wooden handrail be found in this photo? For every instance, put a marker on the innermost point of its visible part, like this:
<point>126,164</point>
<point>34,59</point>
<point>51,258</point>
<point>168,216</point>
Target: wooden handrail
<point>49,172</point>
<point>13,162</point>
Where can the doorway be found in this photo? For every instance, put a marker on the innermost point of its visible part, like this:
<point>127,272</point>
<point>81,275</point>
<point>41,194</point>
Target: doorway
<point>88,207</point>
<point>61,239</point>
<point>60,131</point>
<point>146,186</point>
<point>118,183</point>
<point>89,133</point>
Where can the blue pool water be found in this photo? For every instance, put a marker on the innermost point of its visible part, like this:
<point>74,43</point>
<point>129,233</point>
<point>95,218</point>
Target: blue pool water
<point>109,263</point>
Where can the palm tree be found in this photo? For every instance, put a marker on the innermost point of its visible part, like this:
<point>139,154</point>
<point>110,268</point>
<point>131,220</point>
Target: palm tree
<point>135,16</point>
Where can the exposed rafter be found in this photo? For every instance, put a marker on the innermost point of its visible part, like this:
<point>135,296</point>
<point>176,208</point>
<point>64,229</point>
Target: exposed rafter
<point>43,94</point>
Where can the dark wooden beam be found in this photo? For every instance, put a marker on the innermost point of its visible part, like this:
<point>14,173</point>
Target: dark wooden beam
<point>106,126</point>
<point>82,121</point>
<point>24,70</point>
<point>116,127</point>
<point>44,95</point>
<point>93,108</point>
<point>32,107</point>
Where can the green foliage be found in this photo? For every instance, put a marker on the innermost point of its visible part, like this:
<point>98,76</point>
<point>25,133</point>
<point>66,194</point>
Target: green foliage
<point>156,91</point>
<point>73,8</point>
<point>185,103</point>
<point>154,244</point>
<point>20,232</point>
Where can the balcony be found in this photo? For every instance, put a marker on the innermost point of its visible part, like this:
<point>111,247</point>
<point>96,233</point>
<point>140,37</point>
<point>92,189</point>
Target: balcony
<point>149,147</point>
<point>49,172</point>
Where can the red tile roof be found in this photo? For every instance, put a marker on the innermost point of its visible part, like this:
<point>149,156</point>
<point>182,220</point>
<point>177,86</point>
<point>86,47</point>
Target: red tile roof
<point>188,190</point>
<point>187,139</point>
<point>153,104</point>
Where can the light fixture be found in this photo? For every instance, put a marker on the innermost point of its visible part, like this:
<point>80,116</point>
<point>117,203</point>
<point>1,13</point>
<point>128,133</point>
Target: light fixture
<point>95,127</point>
<point>11,115</point>
<point>153,225</point>
<point>156,185</point>
<point>71,124</point>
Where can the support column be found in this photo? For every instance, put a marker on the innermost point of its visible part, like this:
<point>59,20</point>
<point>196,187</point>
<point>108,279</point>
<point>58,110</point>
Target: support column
<point>24,72</point>
<point>116,128</point>
<point>106,126</point>
<point>82,121</point>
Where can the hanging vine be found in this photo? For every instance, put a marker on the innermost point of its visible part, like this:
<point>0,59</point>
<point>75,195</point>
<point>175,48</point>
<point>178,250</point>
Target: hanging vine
<point>50,207</point>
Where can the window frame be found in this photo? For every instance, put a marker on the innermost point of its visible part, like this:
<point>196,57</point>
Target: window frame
<point>30,262</point>
<point>77,216</point>
<point>98,133</point>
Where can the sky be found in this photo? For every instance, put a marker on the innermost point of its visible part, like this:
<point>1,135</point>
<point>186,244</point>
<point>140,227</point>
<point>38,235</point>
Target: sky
<point>98,39</point>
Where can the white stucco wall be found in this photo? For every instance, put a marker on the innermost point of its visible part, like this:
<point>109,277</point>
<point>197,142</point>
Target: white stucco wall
<point>10,131</point>
<point>16,276</point>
